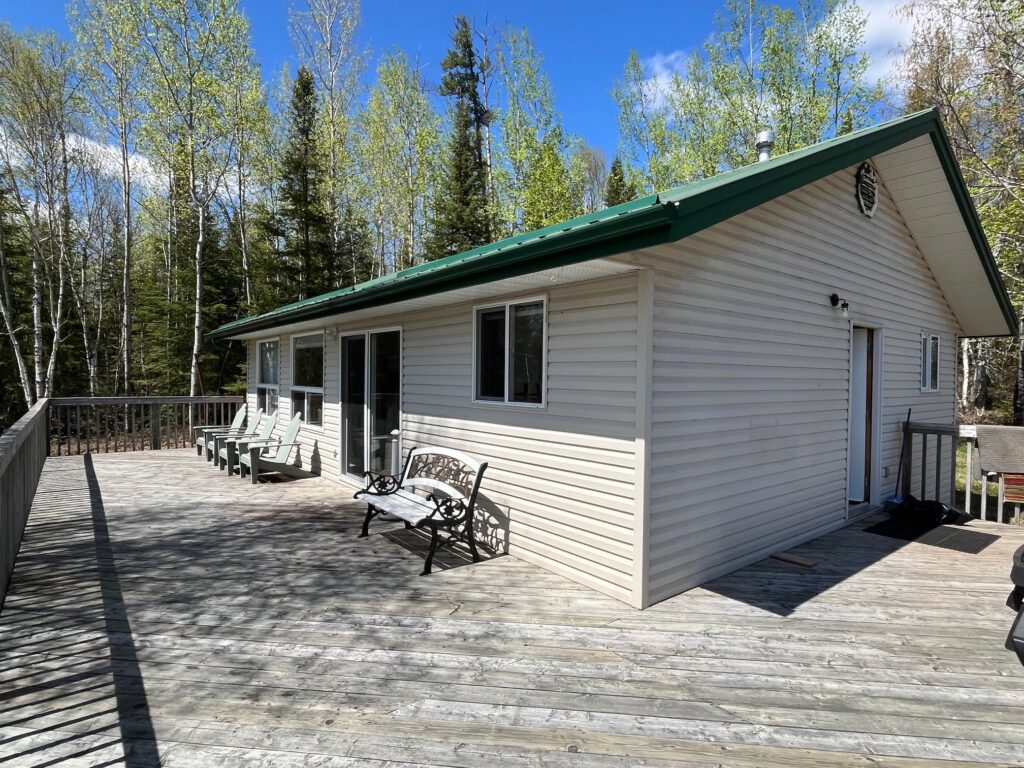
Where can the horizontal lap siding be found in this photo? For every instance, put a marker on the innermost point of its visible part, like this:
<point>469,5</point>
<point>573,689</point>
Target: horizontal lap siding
<point>751,375</point>
<point>560,488</point>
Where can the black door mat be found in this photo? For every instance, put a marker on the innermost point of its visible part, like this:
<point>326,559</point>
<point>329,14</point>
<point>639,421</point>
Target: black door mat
<point>952,537</point>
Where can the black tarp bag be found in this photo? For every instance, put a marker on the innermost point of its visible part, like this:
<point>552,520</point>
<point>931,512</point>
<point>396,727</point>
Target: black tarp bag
<point>929,511</point>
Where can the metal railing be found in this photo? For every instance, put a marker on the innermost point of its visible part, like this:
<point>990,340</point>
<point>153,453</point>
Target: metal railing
<point>80,425</point>
<point>22,454</point>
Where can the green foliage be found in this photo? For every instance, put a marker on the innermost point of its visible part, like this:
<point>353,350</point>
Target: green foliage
<point>549,196</point>
<point>461,218</point>
<point>800,70</point>
<point>399,136</point>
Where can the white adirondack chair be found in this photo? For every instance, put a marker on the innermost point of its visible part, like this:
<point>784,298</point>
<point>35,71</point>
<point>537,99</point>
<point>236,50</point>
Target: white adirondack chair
<point>228,455</point>
<point>254,456</point>
<point>203,435</point>
<point>219,438</point>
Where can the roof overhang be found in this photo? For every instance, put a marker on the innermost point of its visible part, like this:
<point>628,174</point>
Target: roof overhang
<point>940,215</point>
<point>386,314</point>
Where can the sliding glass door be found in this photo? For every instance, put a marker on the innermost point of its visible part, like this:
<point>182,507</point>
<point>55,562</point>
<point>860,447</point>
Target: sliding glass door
<point>371,369</point>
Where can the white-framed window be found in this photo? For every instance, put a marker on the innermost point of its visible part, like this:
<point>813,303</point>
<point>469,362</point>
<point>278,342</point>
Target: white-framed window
<point>308,378</point>
<point>509,351</point>
<point>269,365</point>
<point>930,363</point>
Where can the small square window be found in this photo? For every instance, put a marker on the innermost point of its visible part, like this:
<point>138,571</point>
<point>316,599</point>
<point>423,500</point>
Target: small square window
<point>509,353</point>
<point>930,349</point>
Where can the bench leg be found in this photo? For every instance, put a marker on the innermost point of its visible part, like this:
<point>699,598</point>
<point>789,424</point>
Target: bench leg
<point>471,539</point>
<point>433,548</point>
<point>370,514</point>
<point>199,449</point>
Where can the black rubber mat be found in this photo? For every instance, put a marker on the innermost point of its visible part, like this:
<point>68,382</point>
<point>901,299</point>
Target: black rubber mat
<point>952,537</point>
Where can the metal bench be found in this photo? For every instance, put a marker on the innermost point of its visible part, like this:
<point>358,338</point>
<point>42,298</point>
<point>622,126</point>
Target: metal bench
<point>437,490</point>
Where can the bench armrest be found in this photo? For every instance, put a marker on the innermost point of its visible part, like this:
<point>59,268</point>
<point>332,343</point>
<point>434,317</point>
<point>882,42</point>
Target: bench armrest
<point>378,484</point>
<point>451,510</point>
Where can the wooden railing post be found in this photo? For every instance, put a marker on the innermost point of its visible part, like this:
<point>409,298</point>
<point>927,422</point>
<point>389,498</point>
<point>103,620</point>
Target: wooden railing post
<point>154,424</point>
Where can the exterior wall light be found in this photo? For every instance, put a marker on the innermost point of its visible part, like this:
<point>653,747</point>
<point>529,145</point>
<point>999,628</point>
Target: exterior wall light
<point>843,304</point>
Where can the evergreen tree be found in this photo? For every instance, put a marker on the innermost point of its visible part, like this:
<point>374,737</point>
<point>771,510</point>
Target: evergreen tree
<point>618,190</point>
<point>461,219</point>
<point>306,229</point>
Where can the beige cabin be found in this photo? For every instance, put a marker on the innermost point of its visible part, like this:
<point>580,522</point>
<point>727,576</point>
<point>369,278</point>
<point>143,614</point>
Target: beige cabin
<point>670,389</point>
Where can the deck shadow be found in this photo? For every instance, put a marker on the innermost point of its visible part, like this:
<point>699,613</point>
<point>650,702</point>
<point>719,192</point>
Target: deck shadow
<point>138,737</point>
<point>417,542</point>
<point>781,587</point>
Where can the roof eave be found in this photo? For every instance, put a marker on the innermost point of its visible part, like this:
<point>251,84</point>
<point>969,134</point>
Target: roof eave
<point>641,229</point>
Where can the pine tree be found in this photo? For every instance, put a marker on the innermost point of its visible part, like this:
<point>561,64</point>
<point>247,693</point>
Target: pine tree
<point>618,190</point>
<point>461,219</point>
<point>304,224</point>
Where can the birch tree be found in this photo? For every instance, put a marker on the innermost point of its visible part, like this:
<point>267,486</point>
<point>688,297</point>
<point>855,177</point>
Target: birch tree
<point>191,47</point>
<point>108,47</point>
<point>324,35</point>
<point>399,138</point>
<point>38,116</point>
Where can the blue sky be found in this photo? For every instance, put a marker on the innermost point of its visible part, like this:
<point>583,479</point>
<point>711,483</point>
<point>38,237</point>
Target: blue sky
<point>584,44</point>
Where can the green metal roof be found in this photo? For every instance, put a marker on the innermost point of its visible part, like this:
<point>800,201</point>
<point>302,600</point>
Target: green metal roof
<point>648,221</point>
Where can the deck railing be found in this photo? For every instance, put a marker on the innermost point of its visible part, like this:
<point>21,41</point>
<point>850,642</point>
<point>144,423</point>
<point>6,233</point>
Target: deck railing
<point>59,426</point>
<point>930,477</point>
<point>111,424</point>
<point>22,453</point>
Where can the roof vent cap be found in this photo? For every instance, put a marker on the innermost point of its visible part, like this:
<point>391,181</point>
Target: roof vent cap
<point>765,143</point>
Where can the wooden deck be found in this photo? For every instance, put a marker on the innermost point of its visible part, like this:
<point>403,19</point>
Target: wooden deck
<point>163,614</point>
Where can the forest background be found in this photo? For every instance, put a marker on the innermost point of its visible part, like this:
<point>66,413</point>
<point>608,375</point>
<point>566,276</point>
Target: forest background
<point>154,185</point>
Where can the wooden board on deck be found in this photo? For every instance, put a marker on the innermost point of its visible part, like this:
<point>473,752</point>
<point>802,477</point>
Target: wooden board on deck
<point>161,611</point>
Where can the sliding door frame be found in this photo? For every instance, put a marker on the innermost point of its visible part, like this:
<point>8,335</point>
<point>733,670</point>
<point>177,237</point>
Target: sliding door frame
<point>366,334</point>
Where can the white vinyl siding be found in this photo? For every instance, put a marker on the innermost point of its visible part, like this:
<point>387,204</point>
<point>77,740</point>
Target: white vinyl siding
<point>751,375</point>
<point>561,475</point>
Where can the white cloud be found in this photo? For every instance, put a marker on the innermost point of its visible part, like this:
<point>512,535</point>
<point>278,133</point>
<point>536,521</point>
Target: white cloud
<point>659,70</point>
<point>886,33</point>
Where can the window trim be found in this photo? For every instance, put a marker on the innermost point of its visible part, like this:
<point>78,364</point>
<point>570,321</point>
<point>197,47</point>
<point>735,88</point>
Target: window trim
<point>926,362</point>
<point>293,388</point>
<point>275,388</point>
<point>507,304</point>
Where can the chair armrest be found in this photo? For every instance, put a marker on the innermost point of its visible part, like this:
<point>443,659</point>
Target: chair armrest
<point>378,484</point>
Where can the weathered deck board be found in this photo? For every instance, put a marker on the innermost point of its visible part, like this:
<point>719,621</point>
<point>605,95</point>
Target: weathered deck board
<point>161,612</point>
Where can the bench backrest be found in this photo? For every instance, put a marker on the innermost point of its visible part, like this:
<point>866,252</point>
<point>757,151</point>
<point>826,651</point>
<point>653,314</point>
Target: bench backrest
<point>453,473</point>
